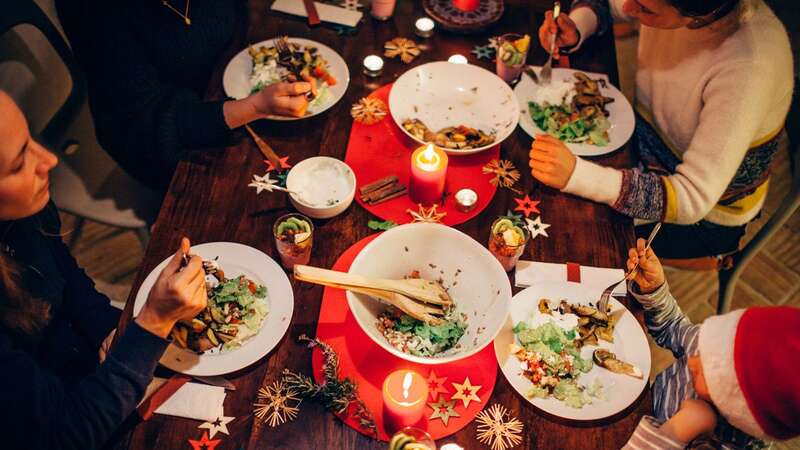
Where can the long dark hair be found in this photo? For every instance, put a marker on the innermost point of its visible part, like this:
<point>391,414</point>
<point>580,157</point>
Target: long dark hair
<point>20,311</point>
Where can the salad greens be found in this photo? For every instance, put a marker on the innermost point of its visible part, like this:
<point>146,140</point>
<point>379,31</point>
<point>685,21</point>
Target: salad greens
<point>418,338</point>
<point>560,121</point>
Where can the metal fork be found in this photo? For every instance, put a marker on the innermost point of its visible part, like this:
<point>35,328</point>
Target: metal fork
<point>284,52</point>
<point>602,305</point>
<point>546,73</point>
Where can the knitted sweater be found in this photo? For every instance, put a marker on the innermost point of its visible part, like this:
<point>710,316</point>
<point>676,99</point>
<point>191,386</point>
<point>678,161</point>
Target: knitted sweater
<point>717,97</point>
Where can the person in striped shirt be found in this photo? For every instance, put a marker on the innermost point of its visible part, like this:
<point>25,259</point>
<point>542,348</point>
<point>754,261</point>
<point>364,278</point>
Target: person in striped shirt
<point>714,83</point>
<point>734,384</point>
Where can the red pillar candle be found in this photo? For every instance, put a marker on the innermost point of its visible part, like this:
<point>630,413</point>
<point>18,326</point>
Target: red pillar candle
<point>404,395</point>
<point>466,5</point>
<point>428,172</point>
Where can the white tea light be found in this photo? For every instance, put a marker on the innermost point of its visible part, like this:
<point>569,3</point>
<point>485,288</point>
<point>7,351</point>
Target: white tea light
<point>457,59</point>
<point>424,27</point>
<point>466,200</point>
<point>373,65</point>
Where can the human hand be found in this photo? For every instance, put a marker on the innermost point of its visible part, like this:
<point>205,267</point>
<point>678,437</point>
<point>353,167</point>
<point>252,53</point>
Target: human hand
<point>551,161</point>
<point>649,276</point>
<point>567,32</point>
<point>179,293</point>
<point>105,346</point>
<point>693,419</point>
<point>282,99</point>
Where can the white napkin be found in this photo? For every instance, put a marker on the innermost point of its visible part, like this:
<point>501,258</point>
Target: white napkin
<point>530,273</point>
<point>327,13</point>
<point>192,401</point>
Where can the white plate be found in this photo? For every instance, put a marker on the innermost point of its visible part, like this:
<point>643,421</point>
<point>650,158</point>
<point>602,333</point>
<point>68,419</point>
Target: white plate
<point>477,283</point>
<point>630,344</point>
<point>620,113</point>
<point>236,79</point>
<point>235,259</point>
<point>443,94</point>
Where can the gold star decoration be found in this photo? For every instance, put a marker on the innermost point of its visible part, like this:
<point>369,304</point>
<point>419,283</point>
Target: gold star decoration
<point>427,215</point>
<point>498,429</point>
<point>466,392</point>
<point>368,110</point>
<point>505,174</point>
<point>406,49</point>
<point>220,424</point>
<point>276,404</point>
<point>436,385</point>
<point>443,410</point>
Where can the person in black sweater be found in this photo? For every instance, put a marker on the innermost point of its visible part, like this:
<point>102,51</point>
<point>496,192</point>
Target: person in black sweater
<point>60,385</point>
<point>147,70</point>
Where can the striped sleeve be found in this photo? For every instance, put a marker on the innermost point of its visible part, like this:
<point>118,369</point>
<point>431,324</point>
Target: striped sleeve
<point>648,436</point>
<point>643,195</point>
<point>665,321</point>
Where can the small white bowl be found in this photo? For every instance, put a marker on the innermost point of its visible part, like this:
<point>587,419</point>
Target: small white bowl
<point>322,187</point>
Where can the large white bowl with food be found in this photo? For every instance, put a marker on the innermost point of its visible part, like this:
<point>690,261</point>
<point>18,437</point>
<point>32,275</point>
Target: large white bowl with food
<point>321,187</point>
<point>474,279</point>
<point>442,94</point>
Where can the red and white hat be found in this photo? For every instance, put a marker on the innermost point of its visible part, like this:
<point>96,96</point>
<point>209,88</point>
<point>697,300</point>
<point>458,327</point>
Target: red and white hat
<point>751,363</point>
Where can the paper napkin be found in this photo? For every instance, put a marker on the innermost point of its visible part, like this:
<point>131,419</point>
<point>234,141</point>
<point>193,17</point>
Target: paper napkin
<point>191,401</point>
<point>529,273</point>
<point>327,13</point>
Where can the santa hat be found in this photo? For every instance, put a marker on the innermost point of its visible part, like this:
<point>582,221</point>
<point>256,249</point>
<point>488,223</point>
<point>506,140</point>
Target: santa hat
<point>751,364</point>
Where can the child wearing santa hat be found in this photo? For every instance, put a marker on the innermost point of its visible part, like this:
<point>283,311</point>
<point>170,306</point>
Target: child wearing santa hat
<point>736,380</point>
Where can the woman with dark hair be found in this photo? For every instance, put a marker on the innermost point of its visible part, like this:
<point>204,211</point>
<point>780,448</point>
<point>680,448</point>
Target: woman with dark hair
<point>713,86</point>
<point>148,64</point>
<point>61,387</point>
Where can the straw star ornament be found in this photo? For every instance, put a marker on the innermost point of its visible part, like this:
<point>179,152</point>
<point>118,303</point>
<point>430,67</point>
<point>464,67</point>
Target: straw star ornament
<point>369,110</point>
<point>498,429</point>
<point>404,48</point>
<point>276,405</point>
<point>427,215</point>
<point>505,174</point>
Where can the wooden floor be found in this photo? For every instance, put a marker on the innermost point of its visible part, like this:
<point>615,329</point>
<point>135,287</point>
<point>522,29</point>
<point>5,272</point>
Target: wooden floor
<point>111,256</point>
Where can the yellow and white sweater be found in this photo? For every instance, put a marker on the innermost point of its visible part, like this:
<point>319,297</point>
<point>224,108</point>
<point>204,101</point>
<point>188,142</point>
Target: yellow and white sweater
<point>717,98</point>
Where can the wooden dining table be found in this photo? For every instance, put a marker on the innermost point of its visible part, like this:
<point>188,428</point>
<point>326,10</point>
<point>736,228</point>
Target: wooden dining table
<point>208,200</point>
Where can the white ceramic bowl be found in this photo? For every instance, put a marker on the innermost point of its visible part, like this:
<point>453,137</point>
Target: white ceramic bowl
<point>442,94</point>
<point>474,278</point>
<point>323,187</point>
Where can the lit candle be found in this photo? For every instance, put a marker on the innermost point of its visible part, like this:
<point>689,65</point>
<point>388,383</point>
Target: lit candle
<point>466,5</point>
<point>404,395</point>
<point>457,59</point>
<point>428,171</point>
<point>423,27</point>
<point>373,65</point>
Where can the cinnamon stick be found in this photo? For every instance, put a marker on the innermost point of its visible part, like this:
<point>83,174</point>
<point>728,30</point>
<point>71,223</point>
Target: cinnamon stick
<point>382,192</point>
<point>402,192</point>
<point>375,185</point>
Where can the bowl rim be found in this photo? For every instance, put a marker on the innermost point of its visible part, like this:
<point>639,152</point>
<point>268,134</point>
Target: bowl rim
<point>505,288</point>
<point>499,140</point>
<point>345,199</point>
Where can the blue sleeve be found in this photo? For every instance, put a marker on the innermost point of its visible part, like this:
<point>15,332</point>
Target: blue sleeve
<point>669,326</point>
<point>42,412</point>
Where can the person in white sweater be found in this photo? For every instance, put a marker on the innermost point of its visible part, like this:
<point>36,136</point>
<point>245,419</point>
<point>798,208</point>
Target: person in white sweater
<point>713,87</point>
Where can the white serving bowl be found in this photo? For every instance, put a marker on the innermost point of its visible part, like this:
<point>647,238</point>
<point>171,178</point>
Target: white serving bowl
<point>442,94</point>
<point>475,280</point>
<point>322,187</point>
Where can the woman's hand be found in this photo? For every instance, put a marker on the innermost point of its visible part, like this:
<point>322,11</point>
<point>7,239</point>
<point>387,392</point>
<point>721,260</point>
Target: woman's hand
<point>178,294</point>
<point>567,32</point>
<point>551,162</point>
<point>105,346</point>
<point>693,419</point>
<point>282,99</point>
<point>650,275</point>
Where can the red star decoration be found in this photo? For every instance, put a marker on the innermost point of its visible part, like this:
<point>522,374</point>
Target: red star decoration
<point>527,206</point>
<point>204,443</point>
<point>284,164</point>
<point>436,386</point>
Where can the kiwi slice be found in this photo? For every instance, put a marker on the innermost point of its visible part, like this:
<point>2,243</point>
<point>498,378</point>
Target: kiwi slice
<point>399,441</point>
<point>302,224</point>
<point>499,226</point>
<point>287,226</point>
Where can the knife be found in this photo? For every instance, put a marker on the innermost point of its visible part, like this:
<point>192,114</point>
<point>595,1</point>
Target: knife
<point>265,149</point>
<point>311,10</point>
<point>216,381</point>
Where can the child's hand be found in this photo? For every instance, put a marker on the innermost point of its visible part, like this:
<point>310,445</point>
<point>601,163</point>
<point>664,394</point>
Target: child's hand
<point>695,418</point>
<point>649,276</point>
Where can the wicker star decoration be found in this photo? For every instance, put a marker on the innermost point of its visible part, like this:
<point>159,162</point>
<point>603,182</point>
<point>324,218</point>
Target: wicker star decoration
<point>283,161</point>
<point>220,424</point>
<point>527,206</point>
<point>443,410</point>
<point>498,429</point>
<point>263,183</point>
<point>436,385</point>
<point>536,227</point>
<point>427,215</point>
<point>352,5</point>
<point>505,174</point>
<point>466,392</point>
<point>484,52</point>
<point>204,443</point>
<point>369,110</point>
<point>406,49</point>
<point>276,404</point>
<point>343,30</point>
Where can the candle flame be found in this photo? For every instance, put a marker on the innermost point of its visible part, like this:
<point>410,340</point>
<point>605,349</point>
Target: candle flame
<point>407,384</point>
<point>428,160</point>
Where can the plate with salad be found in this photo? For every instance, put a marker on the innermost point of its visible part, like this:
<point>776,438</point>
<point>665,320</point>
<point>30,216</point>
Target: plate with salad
<point>582,109</point>
<point>250,304</point>
<point>262,64</point>
<point>569,359</point>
